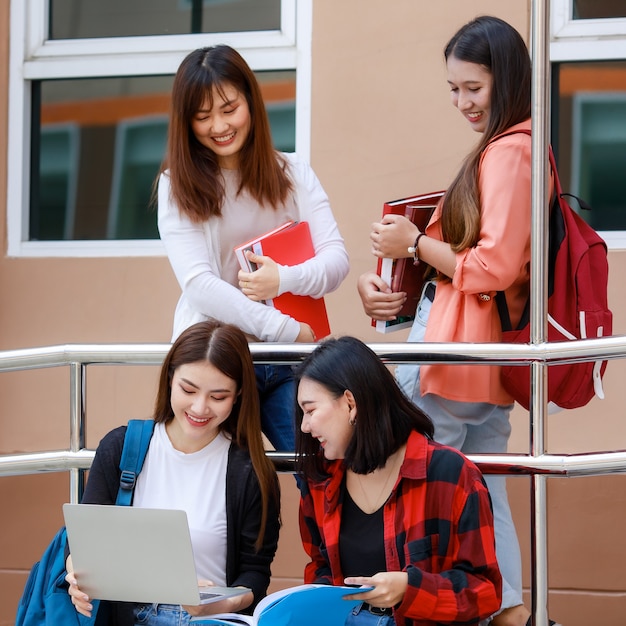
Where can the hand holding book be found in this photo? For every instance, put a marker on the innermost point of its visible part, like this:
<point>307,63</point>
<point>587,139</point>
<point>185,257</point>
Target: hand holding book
<point>379,301</point>
<point>392,236</point>
<point>262,282</point>
<point>300,604</point>
<point>289,244</point>
<point>397,267</point>
<point>261,285</point>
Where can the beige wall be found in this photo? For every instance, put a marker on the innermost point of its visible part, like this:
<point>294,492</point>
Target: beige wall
<point>382,127</point>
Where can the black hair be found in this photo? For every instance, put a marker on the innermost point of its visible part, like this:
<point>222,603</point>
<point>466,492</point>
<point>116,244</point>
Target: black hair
<point>495,45</point>
<point>385,417</point>
<point>498,47</point>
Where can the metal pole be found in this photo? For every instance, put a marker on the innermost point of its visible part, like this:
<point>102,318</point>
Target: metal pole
<point>77,426</point>
<point>540,109</point>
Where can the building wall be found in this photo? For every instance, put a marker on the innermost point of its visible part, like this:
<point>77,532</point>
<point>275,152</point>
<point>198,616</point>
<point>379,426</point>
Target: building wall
<point>382,128</point>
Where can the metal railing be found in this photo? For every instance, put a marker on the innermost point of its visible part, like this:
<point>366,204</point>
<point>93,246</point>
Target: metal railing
<point>76,459</point>
<point>537,464</point>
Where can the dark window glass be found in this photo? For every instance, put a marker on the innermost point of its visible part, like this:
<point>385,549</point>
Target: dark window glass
<point>598,9</point>
<point>97,145</point>
<point>77,19</point>
<point>590,135</point>
<point>57,165</point>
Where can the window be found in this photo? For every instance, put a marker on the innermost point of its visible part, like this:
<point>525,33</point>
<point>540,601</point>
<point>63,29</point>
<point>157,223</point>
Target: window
<point>138,148</point>
<point>86,19</point>
<point>88,111</point>
<point>592,144</point>
<point>598,9</point>
<point>58,159</point>
<point>120,131</point>
<point>588,55</point>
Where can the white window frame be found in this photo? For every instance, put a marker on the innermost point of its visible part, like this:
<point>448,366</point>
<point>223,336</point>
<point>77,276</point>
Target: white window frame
<point>587,40</point>
<point>32,57</point>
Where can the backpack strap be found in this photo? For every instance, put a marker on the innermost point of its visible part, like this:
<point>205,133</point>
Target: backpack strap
<point>136,442</point>
<point>503,311</point>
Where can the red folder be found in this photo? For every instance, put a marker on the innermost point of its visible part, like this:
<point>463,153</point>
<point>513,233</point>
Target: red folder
<point>403,274</point>
<point>241,249</point>
<point>290,244</point>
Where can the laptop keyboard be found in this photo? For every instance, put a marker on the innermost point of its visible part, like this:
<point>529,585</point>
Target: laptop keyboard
<point>207,595</point>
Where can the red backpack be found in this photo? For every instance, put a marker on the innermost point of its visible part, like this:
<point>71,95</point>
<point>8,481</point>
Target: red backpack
<point>578,274</point>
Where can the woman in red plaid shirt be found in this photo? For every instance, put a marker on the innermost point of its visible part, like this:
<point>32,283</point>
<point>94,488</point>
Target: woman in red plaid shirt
<point>385,506</point>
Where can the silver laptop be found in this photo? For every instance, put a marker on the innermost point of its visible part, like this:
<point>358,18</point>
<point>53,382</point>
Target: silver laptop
<point>133,554</point>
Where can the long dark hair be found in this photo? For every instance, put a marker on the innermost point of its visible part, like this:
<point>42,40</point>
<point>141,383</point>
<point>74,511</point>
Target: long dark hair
<point>195,178</point>
<point>225,347</point>
<point>385,416</point>
<point>495,45</point>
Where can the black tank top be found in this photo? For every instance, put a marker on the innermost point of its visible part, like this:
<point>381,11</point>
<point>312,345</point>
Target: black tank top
<point>361,540</point>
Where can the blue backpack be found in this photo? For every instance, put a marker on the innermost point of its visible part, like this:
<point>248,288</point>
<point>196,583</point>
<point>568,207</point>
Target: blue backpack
<point>45,600</point>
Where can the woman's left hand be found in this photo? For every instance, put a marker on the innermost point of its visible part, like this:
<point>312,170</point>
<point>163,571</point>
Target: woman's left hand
<point>233,604</point>
<point>392,236</point>
<point>389,588</point>
<point>262,284</point>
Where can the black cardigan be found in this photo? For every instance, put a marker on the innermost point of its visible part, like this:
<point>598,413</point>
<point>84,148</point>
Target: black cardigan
<point>244,565</point>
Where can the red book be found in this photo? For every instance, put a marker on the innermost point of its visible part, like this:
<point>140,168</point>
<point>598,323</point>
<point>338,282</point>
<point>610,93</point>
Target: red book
<point>241,249</point>
<point>290,244</point>
<point>403,274</point>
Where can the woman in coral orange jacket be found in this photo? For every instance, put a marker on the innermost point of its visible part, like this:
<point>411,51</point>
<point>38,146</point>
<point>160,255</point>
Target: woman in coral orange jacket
<point>478,242</point>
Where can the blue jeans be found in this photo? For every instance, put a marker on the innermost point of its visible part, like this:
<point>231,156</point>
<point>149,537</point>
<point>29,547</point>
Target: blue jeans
<point>277,393</point>
<point>360,616</point>
<point>472,428</point>
<point>161,615</point>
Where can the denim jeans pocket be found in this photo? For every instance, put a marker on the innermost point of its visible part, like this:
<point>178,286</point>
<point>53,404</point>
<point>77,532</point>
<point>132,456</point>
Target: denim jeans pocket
<point>142,612</point>
<point>160,615</point>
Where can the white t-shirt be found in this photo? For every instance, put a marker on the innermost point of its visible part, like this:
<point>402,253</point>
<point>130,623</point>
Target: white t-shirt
<point>243,219</point>
<point>195,483</point>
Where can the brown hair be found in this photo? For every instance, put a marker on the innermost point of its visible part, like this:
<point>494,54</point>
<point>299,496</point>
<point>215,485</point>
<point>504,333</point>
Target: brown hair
<point>495,45</point>
<point>225,347</point>
<point>195,177</point>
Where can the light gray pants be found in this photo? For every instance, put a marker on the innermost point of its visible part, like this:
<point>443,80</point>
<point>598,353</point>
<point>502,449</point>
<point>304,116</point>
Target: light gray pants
<point>472,428</point>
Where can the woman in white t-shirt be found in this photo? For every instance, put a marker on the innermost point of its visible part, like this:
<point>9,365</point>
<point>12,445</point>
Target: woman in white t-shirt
<point>222,183</point>
<point>205,457</point>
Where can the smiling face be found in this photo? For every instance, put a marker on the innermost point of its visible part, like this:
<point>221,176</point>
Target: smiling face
<point>326,418</point>
<point>470,90</point>
<point>224,127</point>
<point>202,398</point>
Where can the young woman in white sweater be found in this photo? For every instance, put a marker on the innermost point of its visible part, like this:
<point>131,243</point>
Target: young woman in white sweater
<point>222,183</point>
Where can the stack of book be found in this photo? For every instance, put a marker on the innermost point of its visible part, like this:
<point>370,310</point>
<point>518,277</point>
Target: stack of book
<point>403,274</point>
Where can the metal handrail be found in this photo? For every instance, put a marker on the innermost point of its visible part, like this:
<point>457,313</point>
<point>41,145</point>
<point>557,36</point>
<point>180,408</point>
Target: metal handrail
<point>538,465</point>
<point>77,458</point>
<point>548,353</point>
<point>565,465</point>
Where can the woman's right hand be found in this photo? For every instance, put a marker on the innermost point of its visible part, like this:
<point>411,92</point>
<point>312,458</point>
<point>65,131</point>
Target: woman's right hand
<point>379,302</point>
<point>306,334</point>
<point>80,599</point>
<point>392,236</point>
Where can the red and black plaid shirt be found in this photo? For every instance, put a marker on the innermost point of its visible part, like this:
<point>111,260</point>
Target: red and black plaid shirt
<point>438,527</point>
